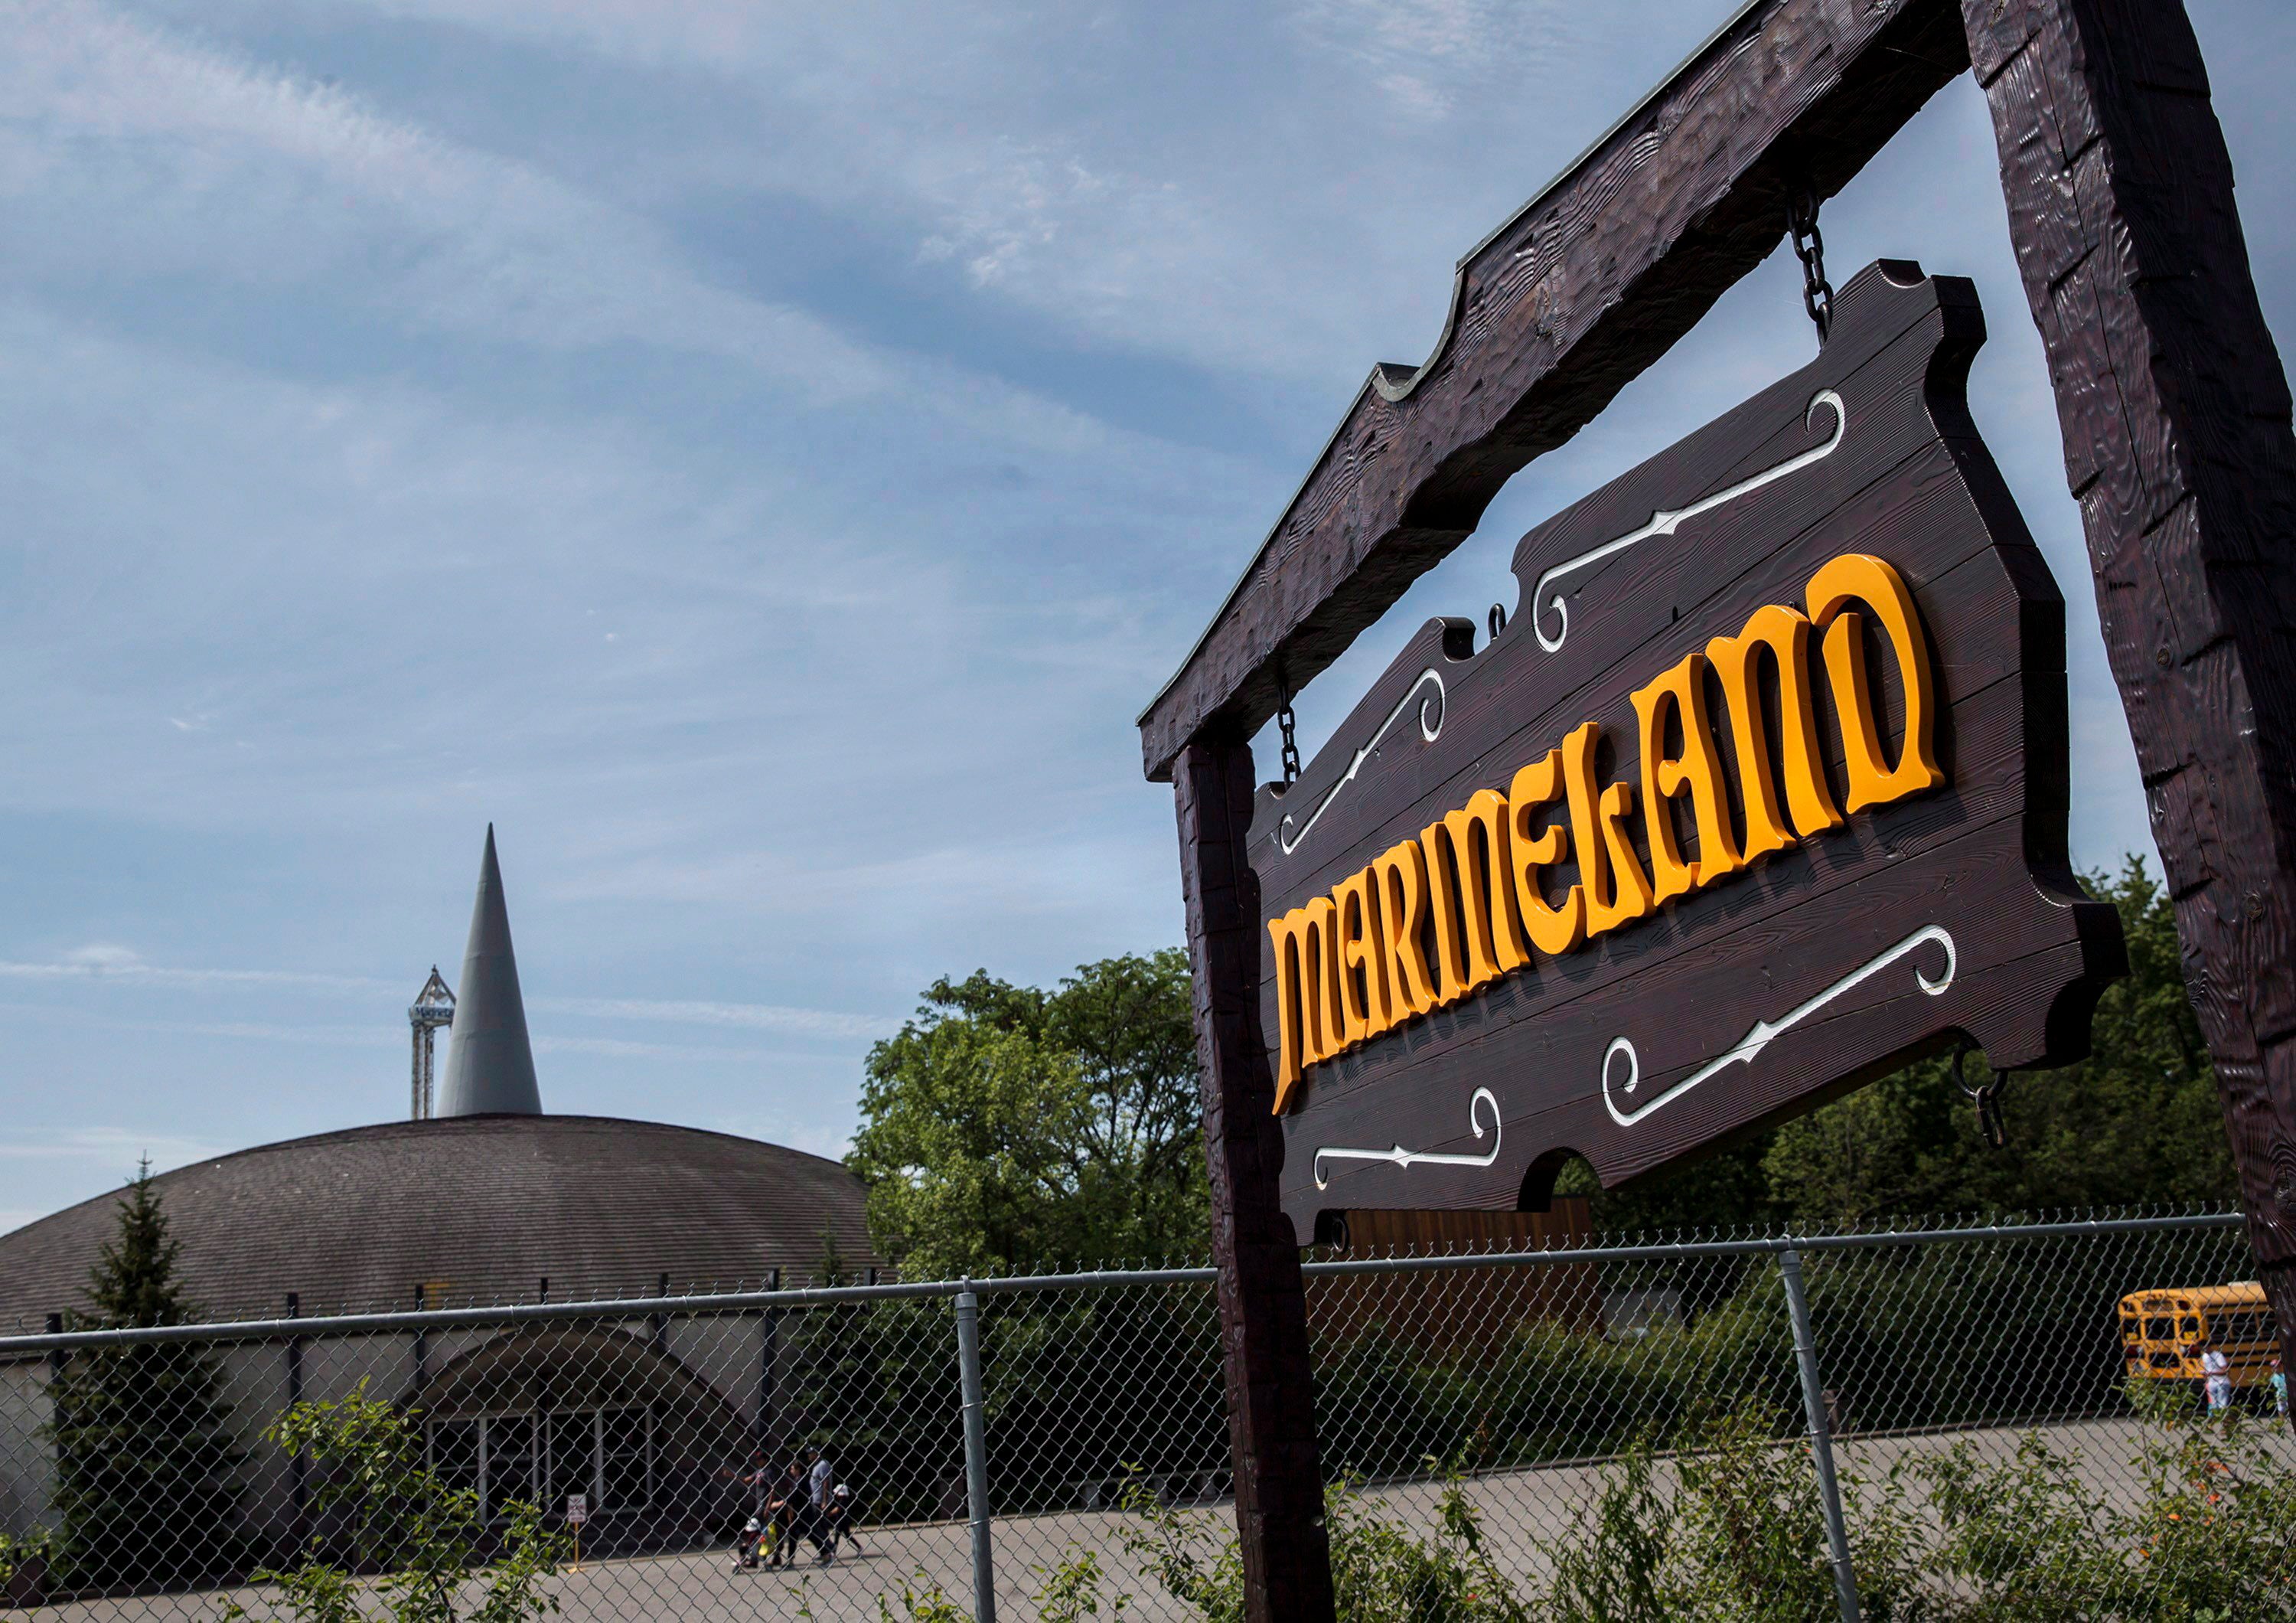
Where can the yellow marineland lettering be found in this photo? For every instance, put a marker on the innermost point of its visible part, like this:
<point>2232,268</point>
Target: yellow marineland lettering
<point>1487,919</point>
<point>1402,872</point>
<point>1330,1038</point>
<point>1783,634</point>
<point>1450,954</point>
<point>1363,976</point>
<point>1296,1001</point>
<point>1861,577</point>
<point>1552,930</point>
<point>1681,695</point>
<point>1609,874</point>
<point>1357,961</point>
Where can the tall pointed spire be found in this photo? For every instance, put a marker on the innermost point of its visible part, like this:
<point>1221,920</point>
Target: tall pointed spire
<point>490,1063</point>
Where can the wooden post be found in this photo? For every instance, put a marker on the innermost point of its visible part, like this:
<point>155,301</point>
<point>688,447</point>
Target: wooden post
<point>1279,1489</point>
<point>2178,445</point>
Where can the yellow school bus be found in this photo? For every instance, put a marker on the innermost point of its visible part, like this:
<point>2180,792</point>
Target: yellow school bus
<point>2161,1332</point>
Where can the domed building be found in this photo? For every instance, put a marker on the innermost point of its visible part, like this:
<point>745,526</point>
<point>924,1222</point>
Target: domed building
<point>651,1419</point>
<point>465,1211</point>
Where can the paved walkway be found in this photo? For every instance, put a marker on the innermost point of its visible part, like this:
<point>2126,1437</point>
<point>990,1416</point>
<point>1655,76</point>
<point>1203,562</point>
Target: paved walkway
<point>1521,1511</point>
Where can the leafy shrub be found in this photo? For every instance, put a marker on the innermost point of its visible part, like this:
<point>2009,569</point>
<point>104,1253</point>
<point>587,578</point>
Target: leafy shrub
<point>923,1601</point>
<point>399,1518</point>
<point>1728,1528</point>
<point>2207,1543</point>
<point>1741,1538</point>
<point>1071,1591</point>
<point>1381,1572</point>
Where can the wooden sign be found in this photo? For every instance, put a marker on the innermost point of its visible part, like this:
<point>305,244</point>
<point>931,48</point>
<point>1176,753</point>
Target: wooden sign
<point>2175,412</point>
<point>1759,795</point>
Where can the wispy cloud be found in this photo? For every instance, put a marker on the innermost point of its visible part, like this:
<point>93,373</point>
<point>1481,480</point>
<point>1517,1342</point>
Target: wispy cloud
<point>1427,55</point>
<point>113,965</point>
<point>753,1016</point>
<point>210,152</point>
<point>121,966</point>
<point>370,1033</point>
<point>1024,147</point>
<point>186,153</point>
<point>116,1145</point>
<point>618,1048</point>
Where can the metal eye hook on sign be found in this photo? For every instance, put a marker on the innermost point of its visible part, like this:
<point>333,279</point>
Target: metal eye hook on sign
<point>1986,1097</point>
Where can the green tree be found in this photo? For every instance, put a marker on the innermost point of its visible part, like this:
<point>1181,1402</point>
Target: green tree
<point>1013,1128</point>
<point>146,1487</point>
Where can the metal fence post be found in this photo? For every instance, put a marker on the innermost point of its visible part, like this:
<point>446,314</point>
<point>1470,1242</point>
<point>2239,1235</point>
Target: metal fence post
<point>421,1344</point>
<point>296,1463</point>
<point>976,1455</point>
<point>769,1373</point>
<point>1821,1434</point>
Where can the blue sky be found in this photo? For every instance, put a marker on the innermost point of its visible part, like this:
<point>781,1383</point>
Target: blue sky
<point>760,457</point>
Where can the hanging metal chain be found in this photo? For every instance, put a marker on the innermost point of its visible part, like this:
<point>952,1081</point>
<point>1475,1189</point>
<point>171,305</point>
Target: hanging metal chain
<point>1986,1097</point>
<point>1287,723</point>
<point>1809,247</point>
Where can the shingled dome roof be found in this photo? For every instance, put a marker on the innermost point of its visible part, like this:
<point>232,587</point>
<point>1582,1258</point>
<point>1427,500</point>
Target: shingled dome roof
<point>476,1208</point>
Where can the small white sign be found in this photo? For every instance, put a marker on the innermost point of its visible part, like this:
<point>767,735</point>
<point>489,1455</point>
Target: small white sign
<point>577,1509</point>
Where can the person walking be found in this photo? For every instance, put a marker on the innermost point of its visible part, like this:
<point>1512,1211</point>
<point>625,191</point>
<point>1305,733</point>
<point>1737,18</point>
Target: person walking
<point>2279,1390</point>
<point>820,1479</point>
<point>2215,1376</point>
<point>840,1516</point>
<point>787,1510</point>
<point>756,1482</point>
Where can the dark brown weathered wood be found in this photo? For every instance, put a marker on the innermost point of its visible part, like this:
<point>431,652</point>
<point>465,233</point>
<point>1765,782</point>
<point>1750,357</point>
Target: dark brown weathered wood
<point>1279,1486</point>
<point>2175,416</point>
<point>1551,316</point>
<point>1868,449</point>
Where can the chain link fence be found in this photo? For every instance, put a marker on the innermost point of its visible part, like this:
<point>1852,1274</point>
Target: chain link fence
<point>1977,1422</point>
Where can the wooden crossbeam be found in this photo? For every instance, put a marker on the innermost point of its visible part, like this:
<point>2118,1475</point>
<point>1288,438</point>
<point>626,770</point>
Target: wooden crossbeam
<point>1590,282</point>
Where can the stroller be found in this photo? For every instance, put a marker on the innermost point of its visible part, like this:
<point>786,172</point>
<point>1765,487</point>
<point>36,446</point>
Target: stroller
<point>746,1546</point>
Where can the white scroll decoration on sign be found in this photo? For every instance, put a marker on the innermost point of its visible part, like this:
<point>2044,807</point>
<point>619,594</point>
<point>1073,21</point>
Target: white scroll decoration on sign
<point>1749,1047</point>
<point>1401,1157</point>
<point>1667,524</point>
<point>1431,728</point>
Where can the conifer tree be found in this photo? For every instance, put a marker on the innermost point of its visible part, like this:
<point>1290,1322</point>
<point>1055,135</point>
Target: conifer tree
<point>145,1465</point>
